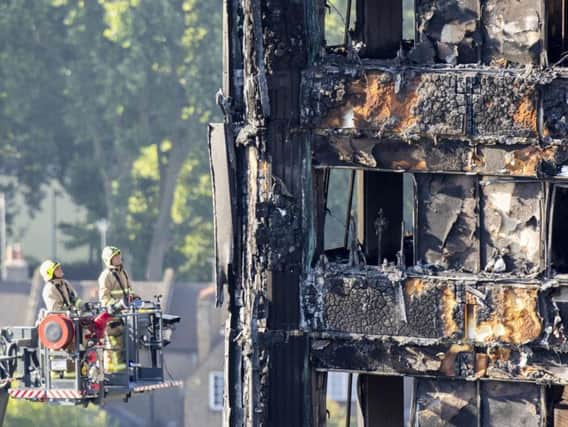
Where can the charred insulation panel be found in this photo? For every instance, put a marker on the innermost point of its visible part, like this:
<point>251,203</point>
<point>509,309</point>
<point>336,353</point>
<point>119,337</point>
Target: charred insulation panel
<point>396,356</point>
<point>390,102</point>
<point>445,403</point>
<point>455,403</point>
<point>341,299</point>
<point>507,314</point>
<point>504,106</point>
<point>439,156</point>
<point>450,29</point>
<point>480,106</point>
<point>513,31</point>
<point>512,225</point>
<point>447,221</point>
<point>511,404</point>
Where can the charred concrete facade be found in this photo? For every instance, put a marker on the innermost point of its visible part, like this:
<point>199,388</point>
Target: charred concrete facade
<point>453,267</point>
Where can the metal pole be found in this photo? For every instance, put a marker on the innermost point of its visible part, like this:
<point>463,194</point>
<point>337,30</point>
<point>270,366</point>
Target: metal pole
<point>349,387</point>
<point>347,22</point>
<point>3,234</point>
<point>349,207</point>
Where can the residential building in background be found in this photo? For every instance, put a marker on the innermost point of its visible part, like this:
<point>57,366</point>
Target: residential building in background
<point>36,232</point>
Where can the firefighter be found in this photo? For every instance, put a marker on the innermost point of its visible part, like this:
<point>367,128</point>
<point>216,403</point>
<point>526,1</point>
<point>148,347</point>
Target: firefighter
<point>115,293</point>
<point>58,295</point>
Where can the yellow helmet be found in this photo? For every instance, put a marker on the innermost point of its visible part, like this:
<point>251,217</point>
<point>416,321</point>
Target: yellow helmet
<point>47,269</point>
<point>108,253</point>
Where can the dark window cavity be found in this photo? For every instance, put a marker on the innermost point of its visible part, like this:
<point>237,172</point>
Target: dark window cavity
<point>557,42</point>
<point>379,28</point>
<point>559,231</point>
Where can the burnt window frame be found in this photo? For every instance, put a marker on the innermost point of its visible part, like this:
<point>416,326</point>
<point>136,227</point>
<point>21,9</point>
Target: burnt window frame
<point>393,238</point>
<point>357,204</point>
<point>485,180</point>
<point>551,207</point>
<point>349,208</point>
<point>558,58</point>
<point>482,257</point>
<point>345,17</point>
<point>353,18</point>
<point>356,197</point>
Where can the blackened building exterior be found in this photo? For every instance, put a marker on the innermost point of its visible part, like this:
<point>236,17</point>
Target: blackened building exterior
<point>447,261</point>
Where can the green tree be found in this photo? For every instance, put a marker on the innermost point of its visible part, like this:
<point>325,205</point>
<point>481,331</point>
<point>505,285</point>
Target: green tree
<point>150,69</point>
<point>31,134</point>
<point>111,98</point>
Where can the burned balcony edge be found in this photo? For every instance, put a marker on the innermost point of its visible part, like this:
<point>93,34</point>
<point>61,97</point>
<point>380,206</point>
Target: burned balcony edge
<point>449,361</point>
<point>410,104</point>
<point>388,303</point>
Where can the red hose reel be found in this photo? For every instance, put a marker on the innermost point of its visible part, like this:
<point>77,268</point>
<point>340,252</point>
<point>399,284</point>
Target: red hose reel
<point>56,331</point>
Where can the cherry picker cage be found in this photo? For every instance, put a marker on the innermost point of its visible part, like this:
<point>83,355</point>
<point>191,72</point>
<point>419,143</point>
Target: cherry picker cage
<point>66,357</point>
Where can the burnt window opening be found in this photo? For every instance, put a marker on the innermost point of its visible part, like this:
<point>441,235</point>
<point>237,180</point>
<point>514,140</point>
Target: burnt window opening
<point>556,34</point>
<point>341,398</point>
<point>340,210</point>
<point>560,298</point>
<point>379,28</point>
<point>482,403</point>
<point>338,22</point>
<point>382,399</point>
<point>408,22</point>
<point>371,210</point>
<point>379,399</point>
<point>468,224</point>
<point>408,216</point>
<point>559,231</point>
<point>383,27</point>
<point>387,217</point>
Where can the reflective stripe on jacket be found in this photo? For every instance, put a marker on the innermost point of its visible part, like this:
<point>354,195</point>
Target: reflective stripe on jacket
<point>114,285</point>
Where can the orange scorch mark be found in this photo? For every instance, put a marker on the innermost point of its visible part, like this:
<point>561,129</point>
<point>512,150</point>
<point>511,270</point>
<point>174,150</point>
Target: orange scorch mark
<point>407,164</point>
<point>525,116</point>
<point>449,304</point>
<point>448,365</point>
<point>380,103</point>
<point>414,287</point>
<point>526,161</point>
<point>514,318</point>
